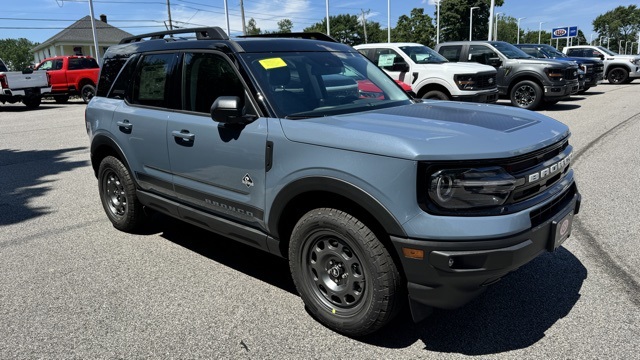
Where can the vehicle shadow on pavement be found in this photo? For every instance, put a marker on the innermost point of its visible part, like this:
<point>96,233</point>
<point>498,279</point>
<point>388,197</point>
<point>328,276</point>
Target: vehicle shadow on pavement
<point>512,314</point>
<point>23,179</point>
<point>230,253</point>
<point>561,106</point>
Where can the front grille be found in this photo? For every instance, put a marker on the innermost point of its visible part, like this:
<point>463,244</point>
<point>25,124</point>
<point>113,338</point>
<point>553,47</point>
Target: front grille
<point>547,211</point>
<point>486,81</point>
<point>598,69</point>
<point>571,74</point>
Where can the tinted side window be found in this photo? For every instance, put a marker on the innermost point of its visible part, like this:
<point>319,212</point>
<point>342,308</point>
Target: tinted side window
<point>533,52</point>
<point>75,64</point>
<point>150,83</point>
<point>208,76</point>
<point>110,69</point>
<point>575,52</point>
<point>123,81</point>
<point>481,54</point>
<point>47,65</point>
<point>451,53</point>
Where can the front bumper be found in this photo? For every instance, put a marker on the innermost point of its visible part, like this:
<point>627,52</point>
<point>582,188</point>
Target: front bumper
<point>592,80</point>
<point>561,91</point>
<point>490,96</point>
<point>453,273</point>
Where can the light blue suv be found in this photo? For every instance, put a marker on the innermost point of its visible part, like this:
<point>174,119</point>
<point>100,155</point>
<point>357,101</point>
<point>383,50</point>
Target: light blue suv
<point>301,147</point>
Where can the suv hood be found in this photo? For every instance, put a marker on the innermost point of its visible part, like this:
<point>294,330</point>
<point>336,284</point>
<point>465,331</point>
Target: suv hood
<point>433,130</point>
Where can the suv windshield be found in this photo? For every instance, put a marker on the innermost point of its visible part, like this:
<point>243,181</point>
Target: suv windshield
<point>314,84</point>
<point>553,52</point>
<point>423,55</point>
<point>510,51</point>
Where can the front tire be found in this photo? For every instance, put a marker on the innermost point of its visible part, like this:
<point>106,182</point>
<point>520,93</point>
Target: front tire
<point>435,95</point>
<point>61,99</point>
<point>526,95</point>
<point>32,102</point>
<point>344,274</point>
<point>118,195</point>
<point>618,76</point>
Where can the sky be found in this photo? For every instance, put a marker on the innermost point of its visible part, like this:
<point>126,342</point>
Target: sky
<point>38,20</point>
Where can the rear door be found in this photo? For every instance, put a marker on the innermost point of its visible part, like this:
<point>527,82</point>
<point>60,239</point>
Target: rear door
<point>218,168</point>
<point>140,122</point>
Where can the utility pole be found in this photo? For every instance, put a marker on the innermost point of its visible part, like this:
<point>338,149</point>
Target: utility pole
<point>244,27</point>
<point>364,24</point>
<point>93,28</point>
<point>169,12</point>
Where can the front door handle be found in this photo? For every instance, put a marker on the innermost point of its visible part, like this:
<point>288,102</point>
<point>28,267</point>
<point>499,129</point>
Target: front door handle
<point>185,135</point>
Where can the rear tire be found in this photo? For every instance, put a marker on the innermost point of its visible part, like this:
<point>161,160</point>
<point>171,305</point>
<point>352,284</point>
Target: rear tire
<point>526,95</point>
<point>118,195</point>
<point>32,102</point>
<point>87,92</point>
<point>344,274</point>
<point>61,99</point>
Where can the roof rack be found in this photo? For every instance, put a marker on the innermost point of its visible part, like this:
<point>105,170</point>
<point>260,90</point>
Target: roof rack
<point>295,35</point>
<point>202,33</point>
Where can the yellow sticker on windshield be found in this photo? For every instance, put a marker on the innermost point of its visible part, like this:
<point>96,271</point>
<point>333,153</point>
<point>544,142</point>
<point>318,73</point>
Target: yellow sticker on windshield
<point>272,63</point>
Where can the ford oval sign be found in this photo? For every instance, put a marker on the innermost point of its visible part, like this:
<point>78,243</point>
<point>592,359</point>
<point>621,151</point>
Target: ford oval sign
<point>560,32</point>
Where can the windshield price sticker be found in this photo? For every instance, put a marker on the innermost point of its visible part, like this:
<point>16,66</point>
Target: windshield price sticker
<point>272,63</point>
<point>386,60</point>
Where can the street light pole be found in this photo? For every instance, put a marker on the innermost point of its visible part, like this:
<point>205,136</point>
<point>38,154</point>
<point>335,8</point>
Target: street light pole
<point>438,22</point>
<point>540,32</point>
<point>471,22</point>
<point>625,46</point>
<point>518,34</point>
<point>93,28</point>
<point>388,21</point>
<point>491,11</point>
<point>328,27</point>
<point>495,30</point>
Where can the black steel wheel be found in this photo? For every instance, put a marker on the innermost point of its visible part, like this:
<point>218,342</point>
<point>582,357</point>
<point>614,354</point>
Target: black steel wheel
<point>435,95</point>
<point>118,195</point>
<point>87,92</point>
<point>618,75</point>
<point>344,274</point>
<point>526,95</point>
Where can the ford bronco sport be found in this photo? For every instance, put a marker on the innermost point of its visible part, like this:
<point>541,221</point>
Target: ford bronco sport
<point>373,199</point>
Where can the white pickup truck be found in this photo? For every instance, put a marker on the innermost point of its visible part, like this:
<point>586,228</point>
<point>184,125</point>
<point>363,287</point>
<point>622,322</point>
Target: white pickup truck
<point>26,86</point>
<point>618,69</point>
<point>432,76</point>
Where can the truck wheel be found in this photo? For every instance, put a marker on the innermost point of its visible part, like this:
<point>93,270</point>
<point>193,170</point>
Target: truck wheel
<point>118,195</point>
<point>344,274</point>
<point>618,76</point>
<point>87,92</point>
<point>61,99</point>
<point>435,95</point>
<point>526,94</point>
<point>32,102</point>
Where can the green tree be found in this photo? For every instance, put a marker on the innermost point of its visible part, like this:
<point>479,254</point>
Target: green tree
<point>16,53</point>
<point>285,26</point>
<point>507,29</point>
<point>454,19</point>
<point>344,27</point>
<point>252,28</point>
<point>619,24</point>
<point>417,28</point>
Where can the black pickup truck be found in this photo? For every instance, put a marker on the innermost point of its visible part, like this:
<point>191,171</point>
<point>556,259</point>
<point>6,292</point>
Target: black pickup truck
<point>593,68</point>
<point>527,81</point>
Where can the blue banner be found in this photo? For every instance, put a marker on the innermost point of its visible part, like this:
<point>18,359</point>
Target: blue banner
<point>564,32</point>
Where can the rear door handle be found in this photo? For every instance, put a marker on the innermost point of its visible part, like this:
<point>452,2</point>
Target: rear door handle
<point>125,125</point>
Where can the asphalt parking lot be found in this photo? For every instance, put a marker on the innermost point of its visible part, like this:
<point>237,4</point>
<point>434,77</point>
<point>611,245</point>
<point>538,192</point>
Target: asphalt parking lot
<point>74,287</point>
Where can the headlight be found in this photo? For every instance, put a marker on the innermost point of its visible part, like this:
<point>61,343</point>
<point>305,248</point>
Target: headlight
<point>470,187</point>
<point>465,82</point>
<point>555,74</point>
<point>635,61</point>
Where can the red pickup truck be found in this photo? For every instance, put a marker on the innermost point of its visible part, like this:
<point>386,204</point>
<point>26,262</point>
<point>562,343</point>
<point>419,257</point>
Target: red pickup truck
<point>71,75</point>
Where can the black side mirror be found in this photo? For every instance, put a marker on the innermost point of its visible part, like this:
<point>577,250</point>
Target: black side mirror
<point>601,57</point>
<point>495,62</point>
<point>401,67</point>
<point>229,110</point>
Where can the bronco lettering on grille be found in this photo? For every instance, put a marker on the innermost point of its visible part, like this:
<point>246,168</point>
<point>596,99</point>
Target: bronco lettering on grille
<point>551,170</point>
